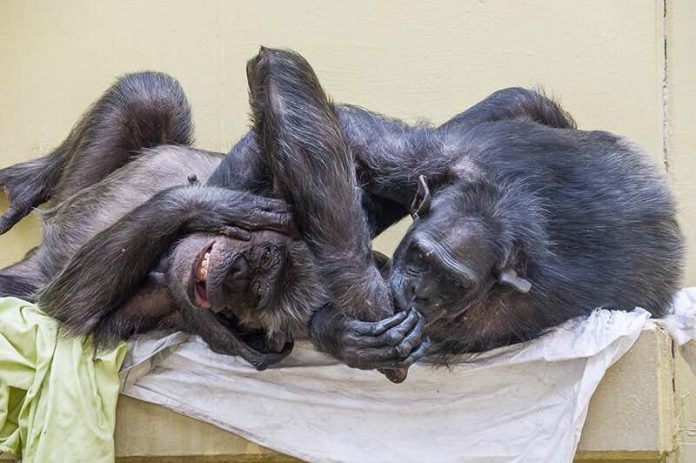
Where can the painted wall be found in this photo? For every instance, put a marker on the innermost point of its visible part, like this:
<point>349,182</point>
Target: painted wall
<point>604,60</point>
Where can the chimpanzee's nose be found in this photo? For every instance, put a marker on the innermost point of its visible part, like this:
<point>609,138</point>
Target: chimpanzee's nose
<point>237,278</point>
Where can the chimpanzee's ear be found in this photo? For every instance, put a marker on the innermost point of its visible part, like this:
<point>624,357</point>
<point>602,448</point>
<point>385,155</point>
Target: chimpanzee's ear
<point>421,201</point>
<point>509,277</point>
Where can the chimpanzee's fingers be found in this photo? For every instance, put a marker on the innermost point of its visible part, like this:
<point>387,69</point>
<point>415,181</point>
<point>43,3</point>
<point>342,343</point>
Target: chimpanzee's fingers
<point>415,355</point>
<point>388,357</point>
<point>373,358</point>
<point>235,232</point>
<point>11,216</point>
<point>413,338</point>
<point>393,336</point>
<point>219,206</point>
<point>269,220</point>
<point>375,328</point>
<point>274,205</point>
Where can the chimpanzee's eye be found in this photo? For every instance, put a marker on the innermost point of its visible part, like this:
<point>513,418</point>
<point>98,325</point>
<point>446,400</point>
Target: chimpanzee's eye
<point>419,258</point>
<point>266,258</point>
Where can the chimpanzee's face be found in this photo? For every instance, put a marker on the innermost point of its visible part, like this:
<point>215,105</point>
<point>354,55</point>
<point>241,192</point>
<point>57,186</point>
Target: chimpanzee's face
<point>239,280</point>
<point>444,263</point>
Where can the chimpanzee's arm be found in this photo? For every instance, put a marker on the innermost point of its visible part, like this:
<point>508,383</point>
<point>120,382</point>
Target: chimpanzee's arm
<point>313,169</point>
<point>244,168</point>
<point>108,270</point>
<point>390,155</point>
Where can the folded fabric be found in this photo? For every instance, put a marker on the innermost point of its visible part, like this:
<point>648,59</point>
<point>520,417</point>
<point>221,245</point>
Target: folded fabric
<point>522,403</point>
<point>57,397</point>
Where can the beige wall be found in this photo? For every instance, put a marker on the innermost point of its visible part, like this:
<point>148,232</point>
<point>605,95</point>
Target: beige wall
<point>603,59</point>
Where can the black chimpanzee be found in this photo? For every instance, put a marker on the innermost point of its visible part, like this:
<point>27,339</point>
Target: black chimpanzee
<point>532,227</point>
<point>520,221</point>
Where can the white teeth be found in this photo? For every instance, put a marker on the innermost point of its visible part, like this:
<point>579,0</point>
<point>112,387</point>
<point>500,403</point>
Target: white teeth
<point>203,269</point>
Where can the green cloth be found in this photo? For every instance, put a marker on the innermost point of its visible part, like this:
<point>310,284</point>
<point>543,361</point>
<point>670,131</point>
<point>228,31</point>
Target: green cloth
<point>57,396</point>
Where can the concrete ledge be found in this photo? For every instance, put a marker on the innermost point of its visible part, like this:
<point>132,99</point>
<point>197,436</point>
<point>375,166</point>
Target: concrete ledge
<point>631,414</point>
<point>630,419</point>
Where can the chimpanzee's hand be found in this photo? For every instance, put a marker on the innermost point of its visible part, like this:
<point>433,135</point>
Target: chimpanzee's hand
<point>396,342</point>
<point>219,210</point>
<point>393,343</point>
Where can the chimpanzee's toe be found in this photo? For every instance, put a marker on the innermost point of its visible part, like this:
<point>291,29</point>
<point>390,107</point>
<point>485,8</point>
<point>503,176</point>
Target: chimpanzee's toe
<point>11,216</point>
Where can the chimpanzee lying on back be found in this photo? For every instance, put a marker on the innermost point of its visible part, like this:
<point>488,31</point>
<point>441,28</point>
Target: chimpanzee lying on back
<point>245,293</point>
<point>489,167</point>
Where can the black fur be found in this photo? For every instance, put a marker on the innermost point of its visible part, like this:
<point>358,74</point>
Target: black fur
<point>584,217</point>
<point>139,111</point>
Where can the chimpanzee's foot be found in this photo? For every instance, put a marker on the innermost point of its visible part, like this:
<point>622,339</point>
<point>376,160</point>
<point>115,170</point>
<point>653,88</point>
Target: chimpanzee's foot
<point>138,111</point>
<point>26,185</point>
<point>394,343</point>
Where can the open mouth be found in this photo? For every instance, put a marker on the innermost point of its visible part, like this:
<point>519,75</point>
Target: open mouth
<point>253,344</point>
<point>200,277</point>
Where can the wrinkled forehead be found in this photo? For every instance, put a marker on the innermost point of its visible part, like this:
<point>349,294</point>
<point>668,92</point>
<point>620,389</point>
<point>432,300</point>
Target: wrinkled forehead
<point>452,239</point>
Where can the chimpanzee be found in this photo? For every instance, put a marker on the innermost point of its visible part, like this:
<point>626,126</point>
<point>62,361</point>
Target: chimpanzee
<point>246,293</point>
<point>521,221</point>
<point>536,226</point>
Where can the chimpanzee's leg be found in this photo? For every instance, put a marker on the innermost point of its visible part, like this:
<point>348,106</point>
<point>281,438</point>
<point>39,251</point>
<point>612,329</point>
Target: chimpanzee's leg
<point>139,111</point>
<point>513,103</point>
<point>22,279</point>
<point>391,155</point>
<point>314,170</point>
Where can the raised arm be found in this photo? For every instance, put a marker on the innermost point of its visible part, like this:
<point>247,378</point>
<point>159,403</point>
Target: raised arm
<point>313,170</point>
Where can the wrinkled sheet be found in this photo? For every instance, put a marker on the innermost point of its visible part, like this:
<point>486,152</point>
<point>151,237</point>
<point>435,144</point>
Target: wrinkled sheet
<point>523,403</point>
<point>57,397</point>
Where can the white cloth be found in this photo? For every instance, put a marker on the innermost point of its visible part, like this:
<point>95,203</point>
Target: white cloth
<point>522,403</point>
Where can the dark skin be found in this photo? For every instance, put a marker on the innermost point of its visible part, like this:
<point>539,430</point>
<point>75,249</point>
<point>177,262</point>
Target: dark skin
<point>125,193</point>
<point>388,185</point>
<point>537,226</point>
